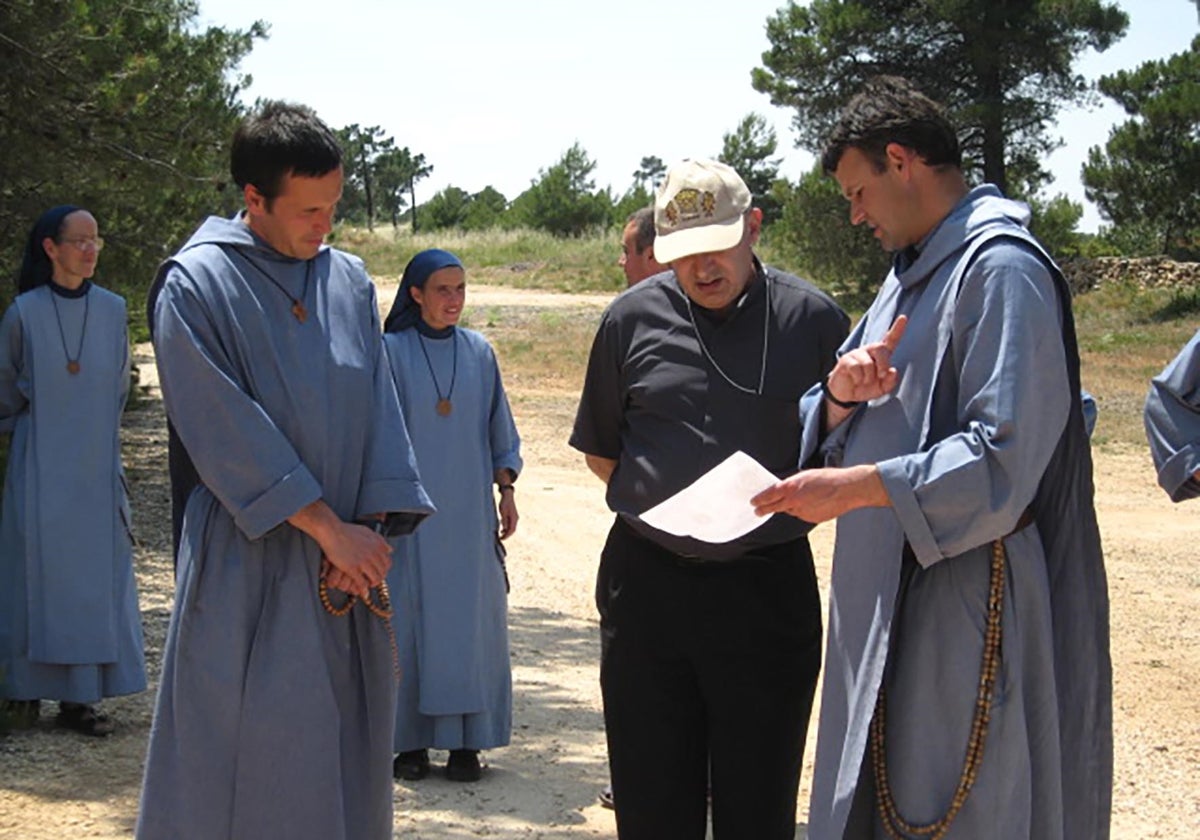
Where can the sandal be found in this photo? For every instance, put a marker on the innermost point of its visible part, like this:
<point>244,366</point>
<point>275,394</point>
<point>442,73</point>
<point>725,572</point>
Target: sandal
<point>84,719</point>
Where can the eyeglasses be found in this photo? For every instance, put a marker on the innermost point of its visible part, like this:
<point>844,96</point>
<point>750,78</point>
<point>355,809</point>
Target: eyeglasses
<point>96,244</point>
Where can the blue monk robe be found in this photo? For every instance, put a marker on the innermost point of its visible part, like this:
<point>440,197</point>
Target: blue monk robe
<point>984,425</point>
<point>274,717</point>
<point>1172,418</point>
<point>69,622</point>
<point>447,579</point>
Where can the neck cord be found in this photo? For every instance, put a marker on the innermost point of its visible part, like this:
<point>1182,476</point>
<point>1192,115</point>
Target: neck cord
<point>443,403</point>
<point>72,363</point>
<point>298,308</point>
<point>762,373</point>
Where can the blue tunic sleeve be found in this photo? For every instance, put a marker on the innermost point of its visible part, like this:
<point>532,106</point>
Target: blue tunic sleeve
<point>239,452</point>
<point>13,389</point>
<point>390,483</point>
<point>502,430</point>
<point>828,448</point>
<point>999,407</point>
<point>1172,419</point>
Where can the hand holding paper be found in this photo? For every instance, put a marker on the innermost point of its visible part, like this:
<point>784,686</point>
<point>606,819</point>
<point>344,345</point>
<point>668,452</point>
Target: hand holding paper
<point>716,507</point>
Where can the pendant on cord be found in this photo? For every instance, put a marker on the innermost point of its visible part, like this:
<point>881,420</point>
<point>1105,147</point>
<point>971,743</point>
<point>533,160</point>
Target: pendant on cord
<point>444,407</point>
<point>299,311</point>
<point>72,367</point>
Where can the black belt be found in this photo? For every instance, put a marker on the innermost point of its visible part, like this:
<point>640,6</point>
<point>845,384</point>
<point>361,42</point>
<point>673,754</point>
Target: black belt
<point>1024,522</point>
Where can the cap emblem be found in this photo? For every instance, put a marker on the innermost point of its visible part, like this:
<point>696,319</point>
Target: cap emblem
<point>690,204</point>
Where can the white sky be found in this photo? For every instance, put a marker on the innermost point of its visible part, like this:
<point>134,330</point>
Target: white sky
<point>491,91</point>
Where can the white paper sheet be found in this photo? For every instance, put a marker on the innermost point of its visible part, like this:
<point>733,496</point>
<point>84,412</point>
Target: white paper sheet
<point>715,507</point>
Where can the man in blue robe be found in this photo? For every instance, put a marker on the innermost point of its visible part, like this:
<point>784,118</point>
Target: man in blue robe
<point>1172,418</point>
<point>968,690</point>
<point>275,708</point>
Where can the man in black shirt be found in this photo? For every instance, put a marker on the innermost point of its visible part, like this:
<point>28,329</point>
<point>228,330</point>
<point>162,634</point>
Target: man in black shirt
<point>710,651</point>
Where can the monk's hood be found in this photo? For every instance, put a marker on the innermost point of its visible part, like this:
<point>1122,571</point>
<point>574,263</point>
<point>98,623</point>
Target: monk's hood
<point>978,210</point>
<point>234,231</point>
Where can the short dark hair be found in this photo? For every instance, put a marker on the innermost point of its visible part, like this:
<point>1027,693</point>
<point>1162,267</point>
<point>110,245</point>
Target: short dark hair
<point>644,219</point>
<point>889,109</point>
<point>279,139</point>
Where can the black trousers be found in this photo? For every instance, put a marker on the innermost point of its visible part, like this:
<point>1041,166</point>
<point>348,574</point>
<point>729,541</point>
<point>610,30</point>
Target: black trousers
<point>706,664</point>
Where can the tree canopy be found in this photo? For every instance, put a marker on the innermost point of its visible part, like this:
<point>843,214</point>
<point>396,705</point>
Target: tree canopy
<point>1146,179</point>
<point>651,171</point>
<point>124,108</point>
<point>378,173</point>
<point>815,231</point>
<point>563,199</point>
<point>1002,68</point>
<point>749,149</point>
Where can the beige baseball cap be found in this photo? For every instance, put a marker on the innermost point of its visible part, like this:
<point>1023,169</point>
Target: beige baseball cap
<point>699,208</point>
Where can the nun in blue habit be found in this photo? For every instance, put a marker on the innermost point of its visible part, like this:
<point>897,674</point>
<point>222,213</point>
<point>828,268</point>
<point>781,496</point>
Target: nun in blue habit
<point>70,629</point>
<point>1172,419</point>
<point>448,580</point>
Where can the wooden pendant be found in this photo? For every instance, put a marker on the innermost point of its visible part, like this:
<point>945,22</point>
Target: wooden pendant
<point>444,407</point>
<point>73,368</point>
<point>299,311</point>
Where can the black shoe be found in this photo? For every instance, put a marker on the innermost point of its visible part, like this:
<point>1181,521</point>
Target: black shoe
<point>21,714</point>
<point>84,719</point>
<point>464,766</point>
<point>411,766</point>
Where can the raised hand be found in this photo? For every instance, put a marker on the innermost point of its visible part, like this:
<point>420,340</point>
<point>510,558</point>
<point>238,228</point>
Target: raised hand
<point>866,372</point>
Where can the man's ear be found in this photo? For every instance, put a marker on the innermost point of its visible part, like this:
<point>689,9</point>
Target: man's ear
<point>754,223</point>
<point>256,202</point>
<point>900,159</point>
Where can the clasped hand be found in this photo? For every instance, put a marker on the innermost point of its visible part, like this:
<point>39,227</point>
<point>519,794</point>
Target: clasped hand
<point>356,560</point>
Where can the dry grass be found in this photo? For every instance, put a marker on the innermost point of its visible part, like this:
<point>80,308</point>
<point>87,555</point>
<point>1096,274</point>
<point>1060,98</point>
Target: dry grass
<point>1126,336</point>
<point>520,258</point>
<point>539,349</point>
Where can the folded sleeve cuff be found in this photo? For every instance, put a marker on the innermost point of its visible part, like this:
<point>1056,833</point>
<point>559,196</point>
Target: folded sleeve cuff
<point>393,495</point>
<point>908,511</point>
<point>1177,475</point>
<point>508,462</point>
<point>288,495</point>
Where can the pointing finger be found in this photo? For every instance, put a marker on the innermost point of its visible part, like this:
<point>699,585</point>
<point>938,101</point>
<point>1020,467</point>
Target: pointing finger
<point>895,332</point>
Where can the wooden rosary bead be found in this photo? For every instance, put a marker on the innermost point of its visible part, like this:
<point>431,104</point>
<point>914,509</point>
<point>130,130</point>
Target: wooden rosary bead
<point>382,610</point>
<point>895,825</point>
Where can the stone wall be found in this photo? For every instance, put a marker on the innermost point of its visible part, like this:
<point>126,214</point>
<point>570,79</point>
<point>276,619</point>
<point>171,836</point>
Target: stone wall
<point>1084,275</point>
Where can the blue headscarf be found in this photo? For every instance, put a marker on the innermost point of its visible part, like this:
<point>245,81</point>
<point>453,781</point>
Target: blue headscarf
<point>36,269</point>
<point>405,313</point>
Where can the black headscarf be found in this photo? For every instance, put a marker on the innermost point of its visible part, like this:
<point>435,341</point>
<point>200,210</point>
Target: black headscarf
<point>36,269</point>
<point>405,313</point>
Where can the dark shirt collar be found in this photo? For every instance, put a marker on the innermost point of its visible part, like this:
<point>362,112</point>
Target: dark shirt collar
<point>63,291</point>
<point>429,332</point>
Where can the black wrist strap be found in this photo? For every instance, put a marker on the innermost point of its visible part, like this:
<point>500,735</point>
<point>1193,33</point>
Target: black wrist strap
<point>829,396</point>
<point>503,487</point>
